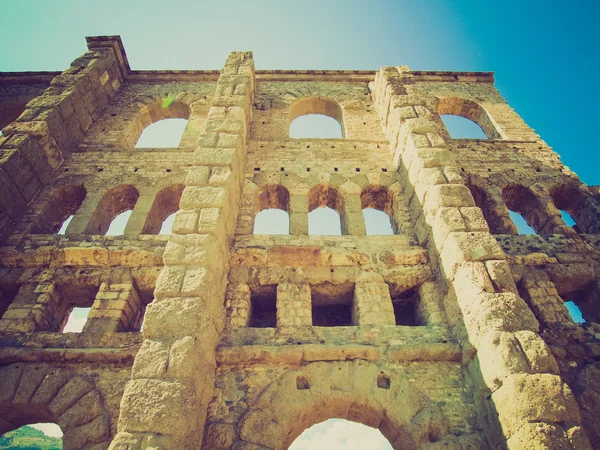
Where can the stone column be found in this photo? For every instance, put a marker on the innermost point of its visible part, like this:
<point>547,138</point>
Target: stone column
<point>518,387</point>
<point>85,219</point>
<point>139,215</point>
<point>33,148</point>
<point>299,213</point>
<point>372,304</point>
<point>294,305</point>
<point>238,305</point>
<point>173,373</point>
<point>351,215</point>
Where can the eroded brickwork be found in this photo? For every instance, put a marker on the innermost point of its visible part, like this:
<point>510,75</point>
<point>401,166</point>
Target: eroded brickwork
<point>450,333</point>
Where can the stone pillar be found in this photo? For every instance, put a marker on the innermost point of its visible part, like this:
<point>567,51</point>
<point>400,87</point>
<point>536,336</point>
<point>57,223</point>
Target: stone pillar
<point>117,307</point>
<point>517,381</point>
<point>294,305</point>
<point>33,147</point>
<point>139,215</point>
<point>372,304</point>
<point>173,373</point>
<point>351,215</point>
<point>238,305</point>
<point>299,213</point>
<point>82,219</point>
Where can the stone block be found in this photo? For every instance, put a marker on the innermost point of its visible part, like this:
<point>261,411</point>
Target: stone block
<point>452,195</point>
<point>158,405</point>
<point>179,317</point>
<point>462,247</point>
<point>197,176</point>
<point>204,197</point>
<point>534,398</point>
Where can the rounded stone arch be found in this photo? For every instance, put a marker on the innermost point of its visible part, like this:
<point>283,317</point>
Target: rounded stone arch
<point>166,202</point>
<point>358,391</point>
<point>271,196</point>
<point>325,194</point>
<point>57,202</point>
<point>151,110</point>
<point>317,105</point>
<point>114,201</point>
<point>33,393</point>
<point>578,201</point>
<point>471,110</point>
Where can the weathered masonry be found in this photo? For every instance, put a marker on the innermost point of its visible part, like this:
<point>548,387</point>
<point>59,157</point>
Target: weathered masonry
<point>451,333</point>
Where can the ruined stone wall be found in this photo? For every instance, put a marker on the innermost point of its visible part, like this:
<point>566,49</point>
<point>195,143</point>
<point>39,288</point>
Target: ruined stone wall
<point>451,333</point>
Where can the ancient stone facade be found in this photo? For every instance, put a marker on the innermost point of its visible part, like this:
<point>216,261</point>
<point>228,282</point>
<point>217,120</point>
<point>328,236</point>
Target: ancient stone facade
<point>452,333</point>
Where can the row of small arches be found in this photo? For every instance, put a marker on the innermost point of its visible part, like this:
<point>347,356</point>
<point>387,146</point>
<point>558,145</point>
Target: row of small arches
<point>322,221</point>
<point>58,211</point>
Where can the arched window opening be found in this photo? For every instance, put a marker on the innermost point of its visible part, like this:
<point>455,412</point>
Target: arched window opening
<point>571,203</point>
<point>567,219</point>
<point>520,223</point>
<point>57,208</point>
<point>167,226</point>
<point>574,312</point>
<point>166,133</point>
<point>315,126</point>
<point>115,202</point>
<point>332,305</point>
<point>324,221</point>
<point>38,435</point>
<point>461,128</point>
<point>530,217</point>
<point>118,224</point>
<point>583,305</point>
<point>165,205</point>
<point>323,217</point>
<point>263,307</point>
<point>377,222</point>
<point>467,109</point>
<point>316,117</point>
<point>377,206</point>
<point>272,205</point>
<point>65,225</point>
<point>272,221</point>
<point>405,307</point>
<point>340,434</point>
<point>159,125</point>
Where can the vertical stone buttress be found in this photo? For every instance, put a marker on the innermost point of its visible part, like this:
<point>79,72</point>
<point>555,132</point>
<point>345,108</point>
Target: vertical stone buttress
<point>522,400</point>
<point>33,148</point>
<point>164,404</point>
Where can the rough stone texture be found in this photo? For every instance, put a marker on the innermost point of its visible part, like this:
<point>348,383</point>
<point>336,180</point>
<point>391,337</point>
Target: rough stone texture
<point>451,333</point>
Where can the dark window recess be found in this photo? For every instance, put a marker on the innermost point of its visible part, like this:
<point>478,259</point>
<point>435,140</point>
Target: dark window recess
<point>332,304</point>
<point>7,295</point>
<point>332,316</point>
<point>263,313</point>
<point>405,307</point>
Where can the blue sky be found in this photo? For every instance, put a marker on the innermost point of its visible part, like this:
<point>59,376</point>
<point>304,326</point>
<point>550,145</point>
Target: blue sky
<point>544,53</point>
